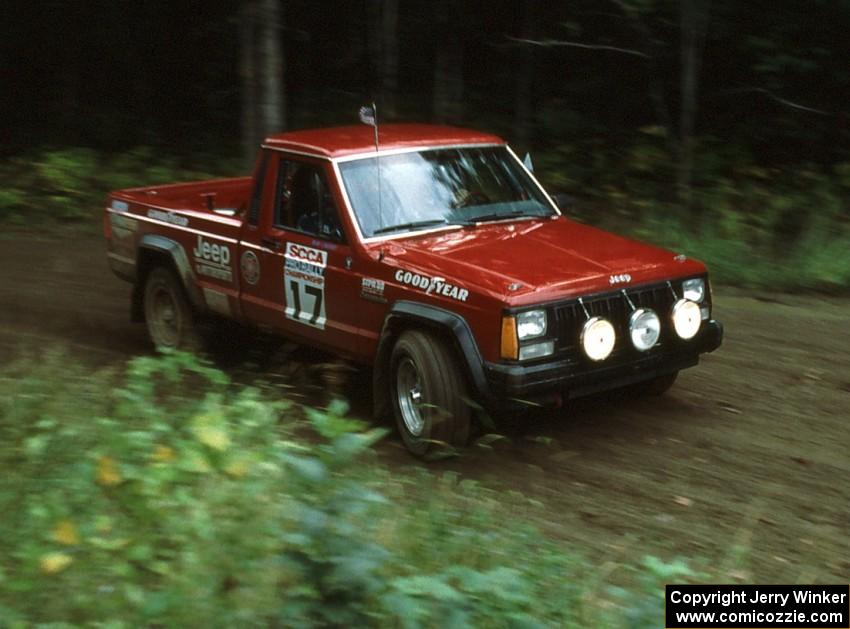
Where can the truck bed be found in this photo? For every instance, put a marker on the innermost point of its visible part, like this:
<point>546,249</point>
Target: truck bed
<point>218,196</point>
<point>190,214</point>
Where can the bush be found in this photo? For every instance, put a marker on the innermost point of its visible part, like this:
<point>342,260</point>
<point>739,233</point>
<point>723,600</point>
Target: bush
<point>169,497</point>
<point>781,229</point>
<point>71,184</point>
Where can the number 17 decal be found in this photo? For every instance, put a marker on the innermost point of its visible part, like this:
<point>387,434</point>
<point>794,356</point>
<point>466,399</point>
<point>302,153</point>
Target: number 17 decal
<point>304,281</point>
<point>312,312</point>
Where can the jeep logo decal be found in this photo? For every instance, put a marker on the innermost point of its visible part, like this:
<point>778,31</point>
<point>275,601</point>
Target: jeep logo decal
<point>622,278</point>
<point>212,260</point>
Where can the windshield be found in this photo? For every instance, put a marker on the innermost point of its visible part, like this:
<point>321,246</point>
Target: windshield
<point>430,188</point>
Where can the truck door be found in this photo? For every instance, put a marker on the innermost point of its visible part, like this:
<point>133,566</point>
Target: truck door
<point>294,260</point>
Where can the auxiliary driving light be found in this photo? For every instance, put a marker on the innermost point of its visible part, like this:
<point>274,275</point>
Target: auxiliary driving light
<point>644,328</point>
<point>598,338</point>
<point>686,318</point>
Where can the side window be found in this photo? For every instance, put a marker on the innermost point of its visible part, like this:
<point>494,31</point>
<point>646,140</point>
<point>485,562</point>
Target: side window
<point>304,203</point>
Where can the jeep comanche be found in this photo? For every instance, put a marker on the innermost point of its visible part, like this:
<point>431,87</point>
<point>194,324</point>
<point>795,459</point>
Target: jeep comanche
<point>436,258</point>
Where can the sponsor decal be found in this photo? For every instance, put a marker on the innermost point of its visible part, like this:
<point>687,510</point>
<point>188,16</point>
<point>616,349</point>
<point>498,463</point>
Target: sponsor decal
<point>622,278</point>
<point>212,260</point>
<point>432,285</point>
<point>120,206</point>
<point>371,288</point>
<point>304,283</point>
<point>168,217</point>
<point>249,264</point>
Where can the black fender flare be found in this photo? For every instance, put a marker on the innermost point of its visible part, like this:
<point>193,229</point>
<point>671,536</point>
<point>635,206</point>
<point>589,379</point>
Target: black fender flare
<point>406,314</point>
<point>161,247</point>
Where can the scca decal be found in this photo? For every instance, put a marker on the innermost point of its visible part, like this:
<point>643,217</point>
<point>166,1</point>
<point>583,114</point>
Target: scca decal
<point>432,285</point>
<point>304,282</point>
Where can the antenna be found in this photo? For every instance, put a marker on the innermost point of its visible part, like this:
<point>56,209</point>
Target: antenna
<point>369,115</point>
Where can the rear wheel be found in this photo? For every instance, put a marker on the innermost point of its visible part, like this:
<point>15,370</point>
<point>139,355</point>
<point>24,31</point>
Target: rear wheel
<point>428,393</point>
<point>168,314</point>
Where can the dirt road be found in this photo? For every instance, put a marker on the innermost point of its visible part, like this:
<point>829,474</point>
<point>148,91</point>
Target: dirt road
<point>745,463</point>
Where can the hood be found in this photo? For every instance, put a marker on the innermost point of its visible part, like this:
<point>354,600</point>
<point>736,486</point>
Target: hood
<point>531,261</point>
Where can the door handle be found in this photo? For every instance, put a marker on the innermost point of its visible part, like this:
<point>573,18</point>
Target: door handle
<point>271,243</point>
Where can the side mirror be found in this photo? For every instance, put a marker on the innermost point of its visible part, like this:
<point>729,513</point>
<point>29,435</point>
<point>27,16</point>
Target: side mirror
<point>563,201</point>
<point>528,163</point>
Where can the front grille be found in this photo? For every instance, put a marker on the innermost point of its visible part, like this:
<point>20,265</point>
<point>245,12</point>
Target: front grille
<point>570,317</point>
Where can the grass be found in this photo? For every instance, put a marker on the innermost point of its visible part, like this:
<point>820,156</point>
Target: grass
<point>782,228</point>
<point>817,260</point>
<point>163,495</point>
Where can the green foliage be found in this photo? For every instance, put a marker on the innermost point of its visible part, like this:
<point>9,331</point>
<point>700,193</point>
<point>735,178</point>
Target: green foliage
<point>644,606</point>
<point>167,496</point>
<point>140,504</point>
<point>72,183</point>
<point>753,226</point>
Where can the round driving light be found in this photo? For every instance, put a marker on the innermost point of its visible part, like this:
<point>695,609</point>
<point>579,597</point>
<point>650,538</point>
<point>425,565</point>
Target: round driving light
<point>597,338</point>
<point>686,318</point>
<point>644,328</point>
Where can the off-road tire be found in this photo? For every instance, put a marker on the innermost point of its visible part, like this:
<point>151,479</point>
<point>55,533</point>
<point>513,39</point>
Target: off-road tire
<point>424,367</point>
<point>169,316</point>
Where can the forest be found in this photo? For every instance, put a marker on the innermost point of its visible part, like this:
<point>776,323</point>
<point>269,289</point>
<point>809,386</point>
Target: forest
<point>768,81</point>
<point>717,127</point>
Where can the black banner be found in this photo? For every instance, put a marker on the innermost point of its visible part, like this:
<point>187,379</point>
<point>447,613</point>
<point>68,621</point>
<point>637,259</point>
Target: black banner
<point>757,606</point>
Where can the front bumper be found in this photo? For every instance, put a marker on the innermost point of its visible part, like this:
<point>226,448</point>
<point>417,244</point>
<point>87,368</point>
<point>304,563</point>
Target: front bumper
<point>571,379</point>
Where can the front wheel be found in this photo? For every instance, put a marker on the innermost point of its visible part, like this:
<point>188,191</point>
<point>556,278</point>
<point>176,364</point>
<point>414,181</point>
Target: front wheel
<point>168,314</point>
<point>428,393</point>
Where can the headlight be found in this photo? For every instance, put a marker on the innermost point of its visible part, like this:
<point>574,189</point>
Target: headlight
<point>694,289</point>
<point>644,328</point>
<point>598,338</point>
<point>686,318</point>
<point>531,324</point>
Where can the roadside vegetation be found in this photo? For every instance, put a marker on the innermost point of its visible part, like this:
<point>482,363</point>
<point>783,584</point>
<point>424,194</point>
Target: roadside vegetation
<point>783,228</point>
<point>758,227</point>
<point>164,495</point>
<point>69,185</point>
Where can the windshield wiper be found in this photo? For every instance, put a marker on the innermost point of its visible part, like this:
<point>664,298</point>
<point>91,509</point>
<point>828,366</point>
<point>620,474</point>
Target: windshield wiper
<point>497,216</point>
<point>411,225</point>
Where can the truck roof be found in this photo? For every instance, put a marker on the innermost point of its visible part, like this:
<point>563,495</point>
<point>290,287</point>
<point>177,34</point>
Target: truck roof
<point>352,140</point>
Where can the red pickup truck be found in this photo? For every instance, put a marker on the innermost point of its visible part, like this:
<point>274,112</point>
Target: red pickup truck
<point>437,259</point>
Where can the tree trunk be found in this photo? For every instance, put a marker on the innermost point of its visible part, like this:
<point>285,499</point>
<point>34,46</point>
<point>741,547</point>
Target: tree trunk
<point>389,58</point>
<point>523,113</point>
<point>248,74</point>
<point>448,65</point>
<point>693,21</point>
<point>654,50</point>
<point>261,67</point>
<point>273,103</point>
